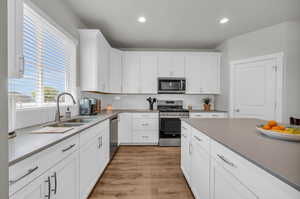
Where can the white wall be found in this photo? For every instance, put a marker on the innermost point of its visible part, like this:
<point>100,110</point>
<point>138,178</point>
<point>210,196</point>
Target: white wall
<point>3,102</point>
<point>284,38</point>
<point>139,101</point>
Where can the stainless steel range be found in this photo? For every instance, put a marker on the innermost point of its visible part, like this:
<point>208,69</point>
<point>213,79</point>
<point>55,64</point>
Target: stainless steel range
<point>170,112</point>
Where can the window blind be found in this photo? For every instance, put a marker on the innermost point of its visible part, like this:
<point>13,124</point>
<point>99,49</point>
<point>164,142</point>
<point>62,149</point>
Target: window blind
<point>48,58</point>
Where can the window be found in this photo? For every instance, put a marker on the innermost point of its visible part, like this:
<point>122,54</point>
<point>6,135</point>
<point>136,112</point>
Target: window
<point>49,61</point>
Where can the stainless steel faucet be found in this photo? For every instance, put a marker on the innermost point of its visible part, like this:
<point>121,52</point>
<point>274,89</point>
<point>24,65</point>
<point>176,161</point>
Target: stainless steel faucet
<point>57,115</point>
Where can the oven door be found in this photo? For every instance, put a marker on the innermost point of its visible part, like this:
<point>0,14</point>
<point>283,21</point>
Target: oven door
<point>171,86</point>
<point>169,128</point>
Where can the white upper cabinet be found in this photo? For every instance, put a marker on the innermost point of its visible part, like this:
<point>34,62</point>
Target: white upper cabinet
<point>131,71</point>
<point>203,73</point>
<point>94,61</point>
<point>115,71</point>
<point>148,73</point>
<point>171,65</point>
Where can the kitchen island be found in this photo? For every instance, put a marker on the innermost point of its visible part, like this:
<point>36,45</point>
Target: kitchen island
<point>256,161</point>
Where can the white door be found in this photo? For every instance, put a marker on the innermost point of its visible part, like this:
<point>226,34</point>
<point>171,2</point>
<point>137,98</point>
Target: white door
<point>131,73</point>
<point>125,128</point>
<point>254,90</point>
<point>65,178</point>
<point>225,185</point>
<point>148,74</point>
<point>40,188</point>
<point>115,77</point>
<point>199,170</point>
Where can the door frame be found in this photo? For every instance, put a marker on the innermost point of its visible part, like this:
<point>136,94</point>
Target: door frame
<point>278,57</point>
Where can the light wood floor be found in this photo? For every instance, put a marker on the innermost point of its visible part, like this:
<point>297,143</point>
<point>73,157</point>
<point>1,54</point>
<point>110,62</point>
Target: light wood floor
<point>139,172</point>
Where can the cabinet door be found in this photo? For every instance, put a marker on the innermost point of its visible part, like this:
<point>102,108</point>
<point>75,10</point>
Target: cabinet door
<point>200,170</point>
<point>115,77</point>
<point>131,71</point>
<point>89,167</point>
<point>211,72</point>
<point>148,74</point>
<point>178,65</point>
<point>194,74</point>
<point>171,65</point>
<point>103,56</point>
<point>37,189</point>
<point>65,178</point>
<point>185,150</point>
<point>125,128</point>
<point>225,185</point>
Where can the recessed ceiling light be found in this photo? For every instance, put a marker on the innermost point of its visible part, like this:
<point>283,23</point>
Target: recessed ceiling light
<point>224,20</point>
<point>142,19</point>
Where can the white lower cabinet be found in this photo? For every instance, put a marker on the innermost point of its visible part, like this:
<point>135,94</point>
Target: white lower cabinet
<point>60,182</point>
<point>215,172</point>
<point>225,185</point>
<point>138,128</point>
<point>200,165</point>
<point>208,115</point>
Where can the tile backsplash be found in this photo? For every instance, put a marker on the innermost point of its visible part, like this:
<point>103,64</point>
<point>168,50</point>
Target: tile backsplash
<point>139,101</point>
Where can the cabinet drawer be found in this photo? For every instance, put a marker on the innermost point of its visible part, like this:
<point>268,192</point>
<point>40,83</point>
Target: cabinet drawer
<point>201,140</point>
<point>27,170</point>
<point>145,137</point>
<point>199,115</point>
<point>145,115</point>
<point>252,176</point>
<point>92,132</point>
<point>185,130</point>
<point>145,124</point>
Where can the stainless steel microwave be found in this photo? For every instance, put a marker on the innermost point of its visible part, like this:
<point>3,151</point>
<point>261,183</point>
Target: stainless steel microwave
<point>171,85</point>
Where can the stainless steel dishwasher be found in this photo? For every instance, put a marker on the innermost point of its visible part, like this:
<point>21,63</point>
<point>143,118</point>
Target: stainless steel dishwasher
<point>113,136</point>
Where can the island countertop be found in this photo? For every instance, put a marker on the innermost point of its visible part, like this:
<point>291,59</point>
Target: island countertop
<point>279,158</point>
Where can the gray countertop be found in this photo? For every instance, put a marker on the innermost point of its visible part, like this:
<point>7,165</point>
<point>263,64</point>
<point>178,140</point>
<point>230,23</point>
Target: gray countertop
<point>279,158</point>
<point>26,144</point>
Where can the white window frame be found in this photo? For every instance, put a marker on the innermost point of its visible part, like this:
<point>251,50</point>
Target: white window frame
<point>71,84</point>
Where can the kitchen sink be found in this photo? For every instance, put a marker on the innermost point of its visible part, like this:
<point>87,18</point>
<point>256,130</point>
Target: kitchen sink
<point>80,120</point>
<point>65,124</point>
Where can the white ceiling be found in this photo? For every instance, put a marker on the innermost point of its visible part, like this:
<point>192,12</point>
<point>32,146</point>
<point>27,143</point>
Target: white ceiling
<point>181,24</point>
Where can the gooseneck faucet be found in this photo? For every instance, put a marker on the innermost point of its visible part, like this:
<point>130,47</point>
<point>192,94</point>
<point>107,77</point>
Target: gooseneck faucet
<point>57,115</point>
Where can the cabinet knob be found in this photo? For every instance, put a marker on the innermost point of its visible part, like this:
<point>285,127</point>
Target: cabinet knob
<point>237,110</point>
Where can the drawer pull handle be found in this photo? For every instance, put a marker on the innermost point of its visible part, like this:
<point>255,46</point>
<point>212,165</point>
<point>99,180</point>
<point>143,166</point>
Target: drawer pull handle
<point>49,188</point>
<point>30,171</point>
<point>67,149</point>
<point>183,128</point>
<point>145,136</point>
<point>227,161</point>
<point>55,183</point>
<point>184,135</point>
<point>200,140</point>
<point>145,124</point>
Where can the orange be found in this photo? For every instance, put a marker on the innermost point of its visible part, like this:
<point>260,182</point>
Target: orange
<point>281,127</point>
<point>266,127</point>
<point>272,123</point>
<point>276,128</point>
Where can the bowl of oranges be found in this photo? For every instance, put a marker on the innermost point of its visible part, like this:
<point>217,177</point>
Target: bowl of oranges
<point>275,130</point>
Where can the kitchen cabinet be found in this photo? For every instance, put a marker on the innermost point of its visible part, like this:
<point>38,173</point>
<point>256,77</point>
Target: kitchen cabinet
<point>185,151</point>
<point>148,73</point>
<point>94,61</point>
<point>94,156</point>
<point>131,72</point>
<point>125,128</point>
<point>138,128</point>
<point>200,167</point>
<point>203,73</point>
<point>225,185</point>
<point>115,72</point>
<point>171,64</point>
<point>60,182</point>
